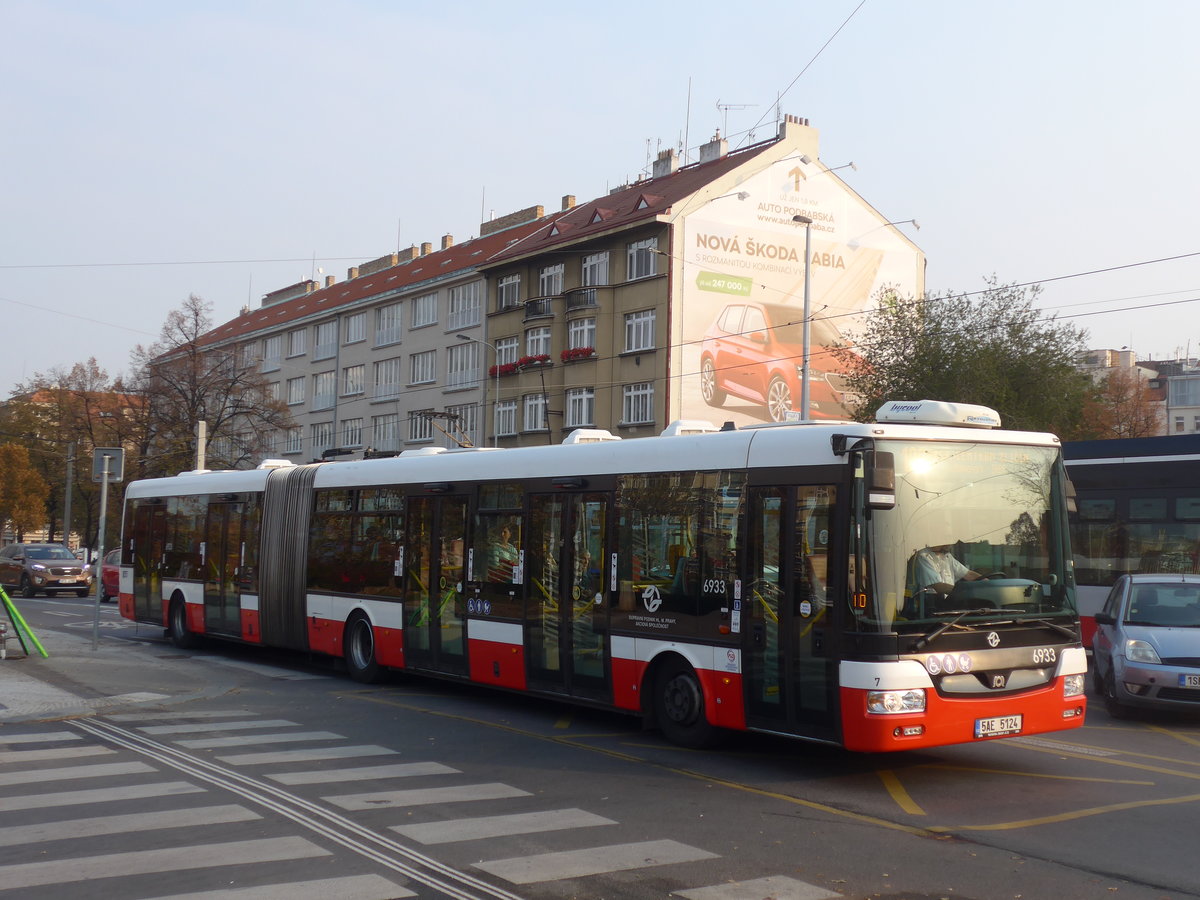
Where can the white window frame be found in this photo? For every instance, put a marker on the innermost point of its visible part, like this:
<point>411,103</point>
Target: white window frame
<point>595,269</point>
<point>637,403</point>
<point>295,391</point>
<point>537,341</point>
<point>423,311</point>
<point>420,428</point>
<point>294,440</point>
<point>325,340</point>
<point>272,353</point>
<point>508,351</point>
<point>581,407</point>
<point>423,367</point>
<point>354,380</point>
<point>581,333</point>
<point>352,430</point>
<point>389,378</point>
<point>354,328</point>
<point>385,432</point>
<point>324,390</point>
<point>508,292</point>
<point>321,434</point>
<point>468,421</point>
<point>535,418</point>
<point>639,330</point>
<point>550,280</point>
<point>297,342</point>
<point>641,259</point>
<point>506,417</point>
<point>389,324</point>
<point>462,365</point>
<point>465,306</point>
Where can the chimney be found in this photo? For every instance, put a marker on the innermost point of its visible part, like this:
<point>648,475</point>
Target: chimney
<point>426,248</point>
<point>447,241</point>
<point>329,280</point>
<point>714,149</point>
<point>352,273</point>
<point>666,163</point>
<point>568,202</point>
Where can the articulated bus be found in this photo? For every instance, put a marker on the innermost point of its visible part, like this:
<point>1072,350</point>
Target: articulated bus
<point>1138,505</point>
<point>768,578</point>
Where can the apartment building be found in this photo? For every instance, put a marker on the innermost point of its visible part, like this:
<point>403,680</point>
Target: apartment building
<point>679,296</point>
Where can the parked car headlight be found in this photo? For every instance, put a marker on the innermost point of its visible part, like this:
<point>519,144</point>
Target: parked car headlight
<point>1140,651</point>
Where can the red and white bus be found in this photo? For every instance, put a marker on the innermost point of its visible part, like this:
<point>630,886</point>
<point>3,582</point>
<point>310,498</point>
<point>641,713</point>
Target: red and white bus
<point>1138,512</point>
<point>764,578</point>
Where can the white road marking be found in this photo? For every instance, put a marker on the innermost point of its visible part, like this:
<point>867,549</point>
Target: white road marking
<point>592,861</point>
<point>498,826</point>
<point>426,796</point>
<point>364,773</point>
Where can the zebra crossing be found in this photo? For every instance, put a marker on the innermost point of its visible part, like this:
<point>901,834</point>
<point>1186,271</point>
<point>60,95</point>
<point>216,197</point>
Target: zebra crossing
<point>70,789</point>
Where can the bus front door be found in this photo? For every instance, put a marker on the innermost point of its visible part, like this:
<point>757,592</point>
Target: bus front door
<point>566,608</point>
<point>223,550</point>
<point>789,664</point>
<point>434,636</point>
<point>149,546</point>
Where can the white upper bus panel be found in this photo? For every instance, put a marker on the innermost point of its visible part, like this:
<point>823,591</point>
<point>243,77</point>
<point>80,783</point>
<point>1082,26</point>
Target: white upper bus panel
<point>937,412</point>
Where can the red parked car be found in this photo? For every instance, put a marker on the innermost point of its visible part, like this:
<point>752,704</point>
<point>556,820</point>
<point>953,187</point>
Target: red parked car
<point>110,576</point>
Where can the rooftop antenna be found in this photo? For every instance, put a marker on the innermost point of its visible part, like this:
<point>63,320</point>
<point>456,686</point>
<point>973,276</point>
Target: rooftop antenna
<point>726,107</point>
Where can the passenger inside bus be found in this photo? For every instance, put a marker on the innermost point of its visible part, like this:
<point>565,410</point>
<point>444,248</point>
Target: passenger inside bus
<point>502,556</point>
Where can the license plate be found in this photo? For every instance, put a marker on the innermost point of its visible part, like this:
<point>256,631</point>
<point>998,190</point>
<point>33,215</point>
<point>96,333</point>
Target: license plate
<point>997,725</point>
<point>69,579</point>
<point>1189,681</point>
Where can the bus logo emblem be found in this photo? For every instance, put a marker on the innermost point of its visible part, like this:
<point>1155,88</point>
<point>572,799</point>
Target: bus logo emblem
<point>651,598</point>
<point>998,681</point>
<point>993,639</point>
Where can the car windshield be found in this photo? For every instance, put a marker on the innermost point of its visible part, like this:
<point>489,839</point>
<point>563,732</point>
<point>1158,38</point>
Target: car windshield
<point>51,553</point>
<point>1165,605</point>
<point>974,528</point>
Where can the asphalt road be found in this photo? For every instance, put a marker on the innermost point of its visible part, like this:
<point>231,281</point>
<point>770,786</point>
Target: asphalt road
<point>134,770</point>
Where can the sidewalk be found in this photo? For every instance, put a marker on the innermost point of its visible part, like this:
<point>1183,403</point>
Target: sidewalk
<point>76,680</point>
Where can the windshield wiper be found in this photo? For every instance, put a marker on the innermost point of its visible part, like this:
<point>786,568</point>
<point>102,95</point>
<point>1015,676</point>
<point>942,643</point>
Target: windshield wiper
<point>1061,629</point>
<point>958,614</point>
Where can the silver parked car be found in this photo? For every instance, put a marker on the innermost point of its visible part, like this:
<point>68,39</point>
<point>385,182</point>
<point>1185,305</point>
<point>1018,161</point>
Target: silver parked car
<point>43,568</point>
<point>1147,646</point>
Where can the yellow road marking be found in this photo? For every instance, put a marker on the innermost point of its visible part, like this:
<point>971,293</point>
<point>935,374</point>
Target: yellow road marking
<point>1186,738</point>
<point>1069,816</point>
<point>564,722</point>
<point>902,797</point>
<point>1033,774</point>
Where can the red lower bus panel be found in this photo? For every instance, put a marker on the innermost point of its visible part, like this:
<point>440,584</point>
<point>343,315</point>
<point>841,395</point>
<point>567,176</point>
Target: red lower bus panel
<point>325,636</point>
<point>627,676</point>
<point>497,663</point>
<point>723,699</point>
<point>953,721</point>
<point>195,618</point>
<point>250,629</point>
<point>389,647</point>
<point>125,604</point>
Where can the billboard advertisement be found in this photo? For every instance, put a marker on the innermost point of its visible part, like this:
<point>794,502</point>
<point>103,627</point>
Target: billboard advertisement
<point>739,347</point>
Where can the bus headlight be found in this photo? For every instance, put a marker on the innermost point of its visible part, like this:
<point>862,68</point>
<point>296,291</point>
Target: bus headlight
<point>1072,685</point>
<point>889,702</point>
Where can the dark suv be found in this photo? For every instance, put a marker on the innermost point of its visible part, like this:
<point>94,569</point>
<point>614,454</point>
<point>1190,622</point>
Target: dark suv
<point>43,568</point>
<point>755,351</point>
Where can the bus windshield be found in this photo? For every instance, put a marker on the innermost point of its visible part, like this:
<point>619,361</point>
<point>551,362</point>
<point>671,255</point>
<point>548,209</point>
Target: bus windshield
<point>976,527</point>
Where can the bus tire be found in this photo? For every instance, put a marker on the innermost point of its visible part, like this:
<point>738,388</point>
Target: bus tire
<point>679,706</point>
<point>177,626</point>
<point>358,645</point>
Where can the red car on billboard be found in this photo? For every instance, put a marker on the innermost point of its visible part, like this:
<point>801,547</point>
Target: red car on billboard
<point>755,351</point>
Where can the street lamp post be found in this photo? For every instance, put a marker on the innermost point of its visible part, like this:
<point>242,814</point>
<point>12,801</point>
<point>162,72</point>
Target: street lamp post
<point>496,354</point>
<point>807,223</point>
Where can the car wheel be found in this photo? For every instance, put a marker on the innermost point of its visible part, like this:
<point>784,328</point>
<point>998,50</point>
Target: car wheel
<point>1115,708</point>
<point>779,400</point>
<point>712,394</point>
<point>82,593</point>
<point>679,707</point>
<point>27,589</point>
<point>1097,677</point>
<point>359,646</point>
<point>181,636</point>
<point>105,596</point>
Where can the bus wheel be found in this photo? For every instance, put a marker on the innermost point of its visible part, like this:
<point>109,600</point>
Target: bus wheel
<point>679,707</point>
<point>181,636</point>
<point>359,647</point>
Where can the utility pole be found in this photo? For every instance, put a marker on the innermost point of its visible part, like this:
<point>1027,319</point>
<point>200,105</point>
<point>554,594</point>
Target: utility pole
<point>66,535</point>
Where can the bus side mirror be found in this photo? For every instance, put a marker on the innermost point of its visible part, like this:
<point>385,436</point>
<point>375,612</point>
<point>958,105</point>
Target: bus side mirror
<point>881,480</point>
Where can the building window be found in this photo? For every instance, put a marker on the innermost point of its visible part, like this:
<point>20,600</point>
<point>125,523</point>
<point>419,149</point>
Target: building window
<point>389,379</point>
<point>248,355</point>
<point>465,305</point>
<point>462,365</point>
<point>322,437</point>
<point>641,260</point>
<point>637,407</point>
<point>324,390</point>
<point>424,367</point>
<point>507,351</point>
<point>581,333</point>
<point>295,391</point>
<point>325,343</point>
<point>354,328</point>
<point>385,432</point>
<point>595,269</point>
<point>294,440</point>
<point>537,341</point>
<point>581,407</point>
<point>352,433</point>
<point>353,380</point>
<point>420,426</point>
<point>388,324</point>
<point>535,412</point>
<point>297,342</point>
<point>1179,424</point>
<point>506,417</point>
<point>272,393</point>
<point>468,421</point>
<point>508,292</point>
<point>423,311</point>
<point>270,442</point>
<point>550,280</point>
<point>272,353</point>
<point>639,330</point>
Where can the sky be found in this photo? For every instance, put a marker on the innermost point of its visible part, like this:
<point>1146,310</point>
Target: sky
<point>154,150</point>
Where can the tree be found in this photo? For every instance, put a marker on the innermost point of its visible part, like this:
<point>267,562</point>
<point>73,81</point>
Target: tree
<point>992,349</point>
<point>23,491</point>
<point>1123,406</point>
<point>183,379</point>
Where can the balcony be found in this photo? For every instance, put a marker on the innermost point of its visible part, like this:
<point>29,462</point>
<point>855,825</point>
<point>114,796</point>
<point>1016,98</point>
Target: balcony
<point>582,298</point>
<point>539,308</point>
